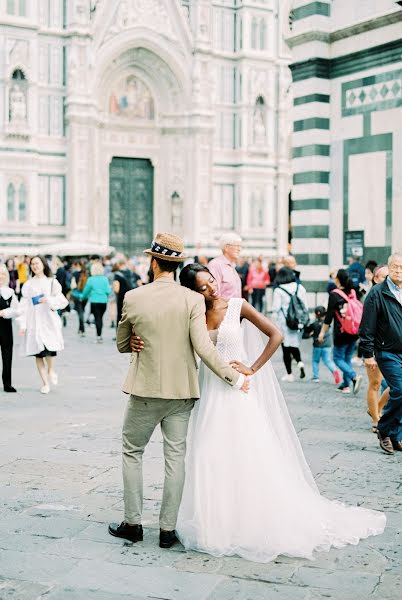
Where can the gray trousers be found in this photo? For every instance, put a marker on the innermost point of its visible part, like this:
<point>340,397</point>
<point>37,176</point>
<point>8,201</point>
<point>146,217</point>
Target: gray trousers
<point>141,418</point>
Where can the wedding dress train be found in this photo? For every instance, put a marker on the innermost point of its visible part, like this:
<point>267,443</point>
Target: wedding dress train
<point>249,491</point>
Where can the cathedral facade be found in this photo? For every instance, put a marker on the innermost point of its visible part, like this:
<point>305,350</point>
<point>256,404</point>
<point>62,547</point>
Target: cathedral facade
<point>119,119</point>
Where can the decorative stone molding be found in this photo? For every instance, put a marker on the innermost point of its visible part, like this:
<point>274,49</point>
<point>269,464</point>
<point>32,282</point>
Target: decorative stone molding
<point>141,13</point>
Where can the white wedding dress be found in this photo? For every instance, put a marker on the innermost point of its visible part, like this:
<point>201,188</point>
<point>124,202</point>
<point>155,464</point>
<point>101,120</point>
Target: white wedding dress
<point>249,491</point>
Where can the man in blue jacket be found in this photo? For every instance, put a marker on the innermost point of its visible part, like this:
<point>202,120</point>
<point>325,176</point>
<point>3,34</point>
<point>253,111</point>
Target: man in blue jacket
<point>381,343</point>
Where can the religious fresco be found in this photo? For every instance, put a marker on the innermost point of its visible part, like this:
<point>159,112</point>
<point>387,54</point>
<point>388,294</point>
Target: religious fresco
<point>132,99</point>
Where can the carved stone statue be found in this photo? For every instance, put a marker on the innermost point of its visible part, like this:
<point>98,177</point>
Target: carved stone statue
<point>18,105</point>
<point>259,128</point>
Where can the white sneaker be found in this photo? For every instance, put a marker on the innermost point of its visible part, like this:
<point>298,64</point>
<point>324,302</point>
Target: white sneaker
<point>45,389</point>
<point>288,378</point>
<point>54,378</point>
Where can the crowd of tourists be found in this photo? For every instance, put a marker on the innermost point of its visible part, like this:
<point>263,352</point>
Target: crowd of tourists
<point>39,292</point>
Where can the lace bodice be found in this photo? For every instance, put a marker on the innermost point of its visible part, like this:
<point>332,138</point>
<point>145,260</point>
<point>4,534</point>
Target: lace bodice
<point>229,343</point>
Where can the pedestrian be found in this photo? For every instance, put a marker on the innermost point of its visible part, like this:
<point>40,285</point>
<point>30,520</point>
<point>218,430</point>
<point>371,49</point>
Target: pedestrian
<point>122,283</point>
<point>331,285</point>
<point>78,281</point>
<point>286,287</point>
<point>381,342</point>
<point>9,308</point>
<point>272,271</point>
<point>63,276</point>
<point>39,322</point>
<point>341,302</point>
<point>290,263</point>
<point>366,286</point>
<point>376,382</point>
<point>242,269</point>
<point>13,275</point>
<point>356,272</point>
<point>257,282</point>
<point>223,267</point>
<point>321,350</point>
<point>23,272</point>
<point>97,290</point>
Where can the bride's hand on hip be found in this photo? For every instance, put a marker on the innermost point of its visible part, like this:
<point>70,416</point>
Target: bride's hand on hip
<point>246,385</point>
<point>240,368</point>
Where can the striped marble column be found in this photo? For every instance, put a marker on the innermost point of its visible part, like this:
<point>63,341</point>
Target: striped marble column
<point>311,142</point>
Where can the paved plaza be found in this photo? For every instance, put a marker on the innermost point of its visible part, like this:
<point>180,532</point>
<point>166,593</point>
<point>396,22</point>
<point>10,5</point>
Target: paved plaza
<point>60,485</point>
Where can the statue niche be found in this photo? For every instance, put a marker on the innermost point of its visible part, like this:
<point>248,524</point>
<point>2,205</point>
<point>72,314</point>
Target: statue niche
<point>131,99</point>
<point>17,99</point>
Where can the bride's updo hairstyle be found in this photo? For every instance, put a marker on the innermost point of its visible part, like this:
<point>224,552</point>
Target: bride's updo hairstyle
<point>189,273</point>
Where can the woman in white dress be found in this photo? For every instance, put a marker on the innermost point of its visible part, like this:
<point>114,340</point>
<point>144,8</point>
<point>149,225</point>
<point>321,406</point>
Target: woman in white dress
<point>249,491</point>
<point>39,322</point>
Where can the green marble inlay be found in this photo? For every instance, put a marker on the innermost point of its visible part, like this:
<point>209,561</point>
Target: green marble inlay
<point>311,150</point>
<point>308,10</point>
<point>376,56</point>
<point>311,98</point>
<point>311,177</point>
<point>310,204</point>
<point>311,123</point>
<point>367,125</point>
<point>310,231</point>
<point>312,259</point>
<point>374,93</point>
<point>363,145</point>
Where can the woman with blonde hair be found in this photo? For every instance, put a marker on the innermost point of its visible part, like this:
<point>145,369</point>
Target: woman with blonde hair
<point>9,308</point>
<point>97,290</point>
<point>39,322</point>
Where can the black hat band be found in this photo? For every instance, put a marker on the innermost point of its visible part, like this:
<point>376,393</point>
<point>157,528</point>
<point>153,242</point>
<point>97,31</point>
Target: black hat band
<point>163,250</point>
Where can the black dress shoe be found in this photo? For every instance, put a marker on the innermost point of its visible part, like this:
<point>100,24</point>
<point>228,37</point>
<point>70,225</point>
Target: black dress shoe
<point>167,538</point>
<point>124,530</point>
<point>397,445</point>
<point>9,388</point>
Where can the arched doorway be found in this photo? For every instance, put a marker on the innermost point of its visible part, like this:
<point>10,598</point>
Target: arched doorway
<point>131,204</point>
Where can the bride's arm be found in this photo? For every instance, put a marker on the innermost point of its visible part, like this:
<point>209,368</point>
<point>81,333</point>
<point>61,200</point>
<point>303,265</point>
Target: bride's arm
<point>265,326</point>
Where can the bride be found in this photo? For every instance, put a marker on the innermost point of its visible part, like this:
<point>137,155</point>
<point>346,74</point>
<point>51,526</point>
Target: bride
<point>249,491</point>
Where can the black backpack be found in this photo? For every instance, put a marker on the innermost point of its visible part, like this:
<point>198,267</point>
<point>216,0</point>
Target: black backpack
<point>297,316</point>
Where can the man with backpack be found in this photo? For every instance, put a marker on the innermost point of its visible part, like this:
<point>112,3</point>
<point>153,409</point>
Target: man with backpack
<point>381,344</point>
<point>345,310</point>
<point>290,309</point>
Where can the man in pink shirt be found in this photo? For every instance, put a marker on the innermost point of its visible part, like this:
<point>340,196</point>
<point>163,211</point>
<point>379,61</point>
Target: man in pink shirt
<point>223,267</point>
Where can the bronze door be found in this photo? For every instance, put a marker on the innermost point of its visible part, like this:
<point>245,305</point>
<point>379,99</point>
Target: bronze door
<point>131,204</point>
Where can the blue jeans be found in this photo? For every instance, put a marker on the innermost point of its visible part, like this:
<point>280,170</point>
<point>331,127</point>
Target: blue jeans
<point>343,360</point>
<point>390,423</point>
<point>325,355</point>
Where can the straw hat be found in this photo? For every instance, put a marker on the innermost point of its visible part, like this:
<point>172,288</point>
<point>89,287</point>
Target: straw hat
<point>167,246</point>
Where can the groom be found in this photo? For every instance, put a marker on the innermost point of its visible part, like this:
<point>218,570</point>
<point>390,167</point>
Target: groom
<point>163,382</point>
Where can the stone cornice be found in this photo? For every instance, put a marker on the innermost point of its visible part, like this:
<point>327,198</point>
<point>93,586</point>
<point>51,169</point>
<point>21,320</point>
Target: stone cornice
<point>347,64</point>
<point>340,34</point>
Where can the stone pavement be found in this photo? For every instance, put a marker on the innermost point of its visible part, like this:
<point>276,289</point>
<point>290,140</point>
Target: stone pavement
<point>60,485</point>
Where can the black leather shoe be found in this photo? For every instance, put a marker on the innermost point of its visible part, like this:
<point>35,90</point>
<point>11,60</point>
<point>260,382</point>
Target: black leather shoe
<point>9,388</point>
<point>397,445</point>
<point>167,538</point>
<point>124,530</point>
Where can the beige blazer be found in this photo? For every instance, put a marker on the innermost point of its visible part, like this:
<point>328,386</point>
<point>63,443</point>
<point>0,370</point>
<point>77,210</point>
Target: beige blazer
<point>171,321</point>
